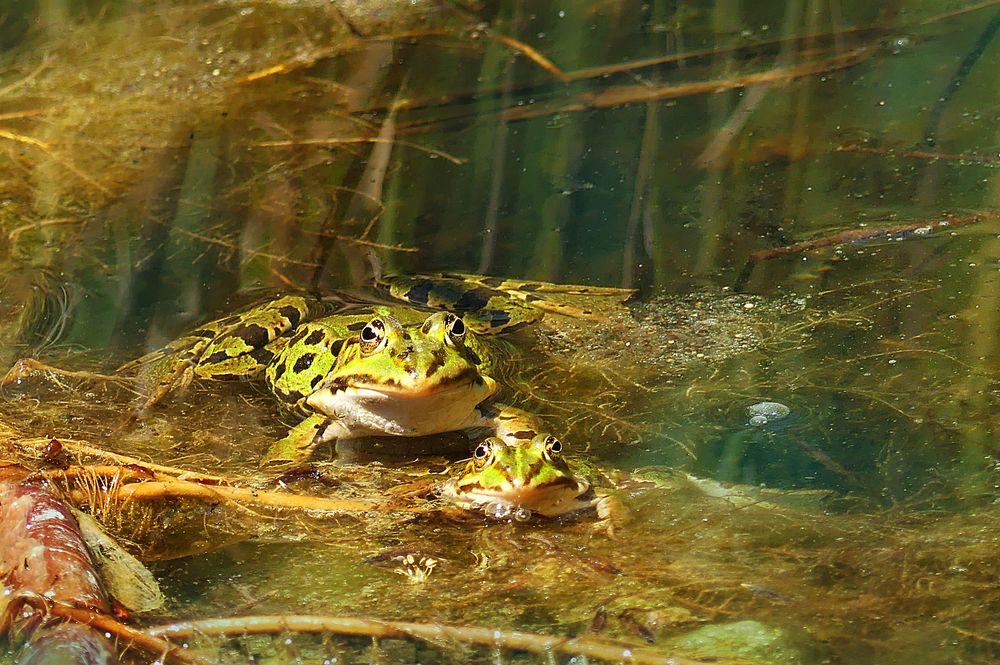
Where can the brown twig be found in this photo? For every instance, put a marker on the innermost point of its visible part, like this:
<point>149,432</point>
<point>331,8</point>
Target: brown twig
<point>532,54</point>
<point>173,488</point>
<point>636,94</point>
<point>128,636</point>
<point>921,154</point>
<point>431,632</point>
<point>35,226</point>
<point>27,79</point>
<point>29,113</point>
<point>852,236</point>
<point>47,149</point>
<point>229,245</point>
<point>354,140</point>
<point>363,242</point>
<point>960,12</point>
<point>605,71</point>
<point>80,449</point>
<point>25,367</point>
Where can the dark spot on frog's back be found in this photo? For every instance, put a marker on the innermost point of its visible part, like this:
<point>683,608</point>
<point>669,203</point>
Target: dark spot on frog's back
<point>216,358</point>
<point>315,337</point>
<point>493,282</point>
<point>262,356</point>
<point>419,292</point>
<point>496,317</point>
<point>292,314</point>
<point>279,371</point>
<point>336,347</point>
<point>357,325</point>
<point>304,362</point>
<point>474,300</point>
<point>523,434</point>
<point>298,336</point>
<point>253,334</point>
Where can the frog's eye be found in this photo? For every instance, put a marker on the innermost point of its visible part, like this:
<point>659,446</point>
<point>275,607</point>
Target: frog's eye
<point>553,446</point>
<point>482,453</point>
<point>372,335</point>
<point>456,328</point>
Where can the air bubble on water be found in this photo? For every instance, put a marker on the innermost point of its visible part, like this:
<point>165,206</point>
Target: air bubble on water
<point>763,413</point>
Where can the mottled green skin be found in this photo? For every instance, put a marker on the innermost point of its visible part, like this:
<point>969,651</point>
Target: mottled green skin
<point>418,355</point>
<point>241,345</point>
<point>296,359</point>
<point>380,370</point>
<point>504,479</point>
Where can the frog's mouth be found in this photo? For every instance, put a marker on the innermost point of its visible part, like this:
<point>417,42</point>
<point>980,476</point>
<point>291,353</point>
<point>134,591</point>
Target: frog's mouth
<point>380,408</point>
<point>363,385</point>
<point>558,497</point>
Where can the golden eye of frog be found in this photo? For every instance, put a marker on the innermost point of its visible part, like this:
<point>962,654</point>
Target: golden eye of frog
<point>517,480</point>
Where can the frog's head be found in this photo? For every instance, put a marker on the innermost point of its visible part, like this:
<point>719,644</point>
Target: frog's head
<point>504,479</point>
<point>412,380</point>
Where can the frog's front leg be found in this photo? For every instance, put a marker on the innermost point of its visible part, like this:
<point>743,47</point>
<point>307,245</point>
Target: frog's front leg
<point>294,450</point>
<point>611,514</point>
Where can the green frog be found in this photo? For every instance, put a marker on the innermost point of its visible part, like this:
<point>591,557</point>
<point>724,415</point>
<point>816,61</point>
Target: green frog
<point>504,480</point>
<point>378,370</point>
<point>369,370</point>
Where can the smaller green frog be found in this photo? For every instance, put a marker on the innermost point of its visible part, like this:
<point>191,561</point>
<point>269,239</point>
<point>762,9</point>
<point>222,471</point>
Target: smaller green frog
<point>505,480</point>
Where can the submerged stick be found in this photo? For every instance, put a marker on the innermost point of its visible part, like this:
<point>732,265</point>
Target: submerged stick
<point>182,489</point>
<point>139,484</point>
<point>852,236</point>
<point>921,154</point>
<point>79,449</point>
<point>532,54</point>
<point>25,367</point>
<point>637,94</point>
<point>128,636</point>
<point>970,60</point>
<point>429,632</point>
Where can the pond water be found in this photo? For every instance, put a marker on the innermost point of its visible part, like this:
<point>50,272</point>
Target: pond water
<point>796,411</point>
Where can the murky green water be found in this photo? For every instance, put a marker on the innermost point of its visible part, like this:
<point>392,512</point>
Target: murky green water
<point>161,166</point>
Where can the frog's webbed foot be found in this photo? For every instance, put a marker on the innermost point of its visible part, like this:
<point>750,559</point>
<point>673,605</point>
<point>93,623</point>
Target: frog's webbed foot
<point>294,450</point>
